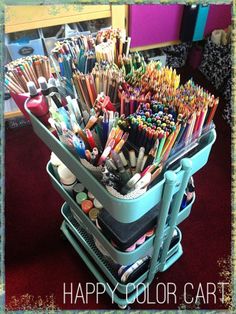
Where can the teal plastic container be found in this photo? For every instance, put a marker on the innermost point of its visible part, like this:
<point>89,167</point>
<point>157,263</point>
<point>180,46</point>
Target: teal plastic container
<point>86,240</point>
<point>122,210</point>
<point>118,256</point>
<point>184,213</point>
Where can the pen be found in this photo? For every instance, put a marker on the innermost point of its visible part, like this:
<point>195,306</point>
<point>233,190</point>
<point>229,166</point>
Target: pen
<point>106,152</point>
<point>88,155</point>
<point>144,181</point>
<point>140,159</point>
<point>124,175</point>
<point>90,138</point>
<point>119,146</point>
<point>132,159</point>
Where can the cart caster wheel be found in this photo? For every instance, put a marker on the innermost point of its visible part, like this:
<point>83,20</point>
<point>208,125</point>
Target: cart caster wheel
<point>124,307</point>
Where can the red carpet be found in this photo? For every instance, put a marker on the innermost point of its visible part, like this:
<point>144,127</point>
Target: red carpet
<point>39,261</point>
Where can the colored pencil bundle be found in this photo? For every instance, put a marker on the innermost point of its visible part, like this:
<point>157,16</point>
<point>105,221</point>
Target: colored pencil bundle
<point>24,70</point>
<point>171,126</point>
<point>156,76</point>
<point>105,52</point>
<point>119,43</point>
<point>133,66</point>
<point>199,103</point>
<point>78,52</point>
<point>104,78</point>
<point>152,125</point>
<point>157,116</point>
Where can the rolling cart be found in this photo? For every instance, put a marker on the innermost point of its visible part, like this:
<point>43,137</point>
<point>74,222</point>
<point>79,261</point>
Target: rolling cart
<point>82,233</point>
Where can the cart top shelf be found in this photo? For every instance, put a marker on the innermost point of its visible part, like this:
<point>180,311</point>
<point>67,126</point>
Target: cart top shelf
<point>123,210</point>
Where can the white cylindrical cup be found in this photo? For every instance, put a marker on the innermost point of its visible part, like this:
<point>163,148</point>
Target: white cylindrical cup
<point>67,178</point>
<point>55,162</point>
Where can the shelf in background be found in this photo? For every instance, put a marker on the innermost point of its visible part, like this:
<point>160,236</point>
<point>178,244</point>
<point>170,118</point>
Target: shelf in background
<point>158,45</point>
<point>21,18</point>
<point>12,114</point>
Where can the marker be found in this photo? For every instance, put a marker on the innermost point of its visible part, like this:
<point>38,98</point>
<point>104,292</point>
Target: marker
<point>91,122</point>
<point>88,154</point>
<point>144,181</point>
<point>123,159</point>
<point>119,146</point>
<point>106,152</point>
<point>124,175</point>
<point>90,138</point>
<point>131,183</point>
<point>132,158</point>
<point>140,159</point>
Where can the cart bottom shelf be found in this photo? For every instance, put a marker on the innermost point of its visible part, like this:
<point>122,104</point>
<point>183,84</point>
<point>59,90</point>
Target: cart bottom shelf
<point>126,293</point>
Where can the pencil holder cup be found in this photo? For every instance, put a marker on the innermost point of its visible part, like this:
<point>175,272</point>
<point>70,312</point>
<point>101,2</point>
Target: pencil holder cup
<point>132,195</point>
<point>96,171</point>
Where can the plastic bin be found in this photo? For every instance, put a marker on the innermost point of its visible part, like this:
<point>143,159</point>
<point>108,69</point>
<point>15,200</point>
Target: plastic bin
<point>86,240</point>
<point>118,256</point>
<point>50,35</point>
<point>22,44</point>
<point>7,58</point>
<point>94,25</point>
<point>122,210</point>
<point>185,212</point>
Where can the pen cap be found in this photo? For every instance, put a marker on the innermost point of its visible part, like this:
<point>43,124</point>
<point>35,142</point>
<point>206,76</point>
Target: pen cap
<point>123,159</point>
<point>68,99</point>
<point>144,181</point>
<point>32,89</point>
<point>42,83</point>
<point>66,176</point>
<point>52,81</point>
<point>133,180</point>
<point>110,165</point>
<point>117,160</point>
<point>132,158</point>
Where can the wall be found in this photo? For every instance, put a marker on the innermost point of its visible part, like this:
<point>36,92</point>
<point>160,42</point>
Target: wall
<point>219,17</point>
<point>156,23</point>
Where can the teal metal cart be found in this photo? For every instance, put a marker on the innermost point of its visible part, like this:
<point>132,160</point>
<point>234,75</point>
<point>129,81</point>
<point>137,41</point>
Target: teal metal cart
<point>81,231</point>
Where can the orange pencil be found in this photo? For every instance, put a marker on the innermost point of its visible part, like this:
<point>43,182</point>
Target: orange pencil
<point>213,110</point>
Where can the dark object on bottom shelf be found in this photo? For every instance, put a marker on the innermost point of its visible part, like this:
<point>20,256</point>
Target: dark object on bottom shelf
<point>124,235</point>
<point>132,272</point>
